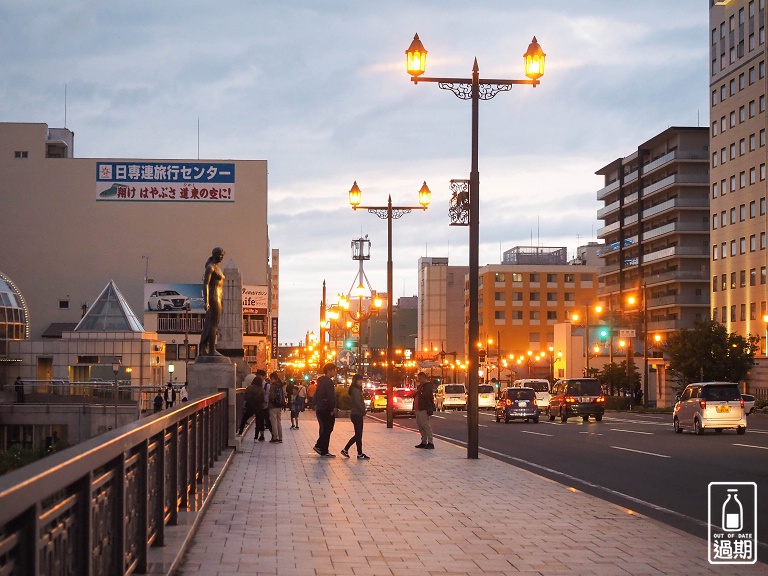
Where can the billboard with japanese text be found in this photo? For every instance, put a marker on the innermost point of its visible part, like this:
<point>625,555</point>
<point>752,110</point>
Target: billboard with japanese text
<point>141,181</point>
<point>255,299</point>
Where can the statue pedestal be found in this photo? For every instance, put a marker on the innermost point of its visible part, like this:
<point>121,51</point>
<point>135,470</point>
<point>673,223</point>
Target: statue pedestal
<point>210,377</point>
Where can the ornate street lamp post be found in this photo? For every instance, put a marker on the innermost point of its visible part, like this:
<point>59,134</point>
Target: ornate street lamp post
<point>389,212</point>
<point>474,89</point>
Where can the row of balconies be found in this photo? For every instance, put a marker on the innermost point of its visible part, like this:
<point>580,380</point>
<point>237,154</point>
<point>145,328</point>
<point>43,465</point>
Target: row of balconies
<point>671,204</point>
<point>650,167</point>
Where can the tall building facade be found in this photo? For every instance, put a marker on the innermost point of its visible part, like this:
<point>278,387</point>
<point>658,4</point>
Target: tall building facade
<point>738,123</point>
<point>522,300</point>
<point>656,234</point>
<point>441,304</point>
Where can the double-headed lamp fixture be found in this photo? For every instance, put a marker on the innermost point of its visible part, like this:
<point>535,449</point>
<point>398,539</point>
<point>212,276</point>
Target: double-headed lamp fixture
<point>533,59</point>
<point>356,196</point>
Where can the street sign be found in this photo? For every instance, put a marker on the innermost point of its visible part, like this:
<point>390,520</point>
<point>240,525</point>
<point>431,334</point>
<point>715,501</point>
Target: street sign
<point>346,357</point>
<point>624,333</point>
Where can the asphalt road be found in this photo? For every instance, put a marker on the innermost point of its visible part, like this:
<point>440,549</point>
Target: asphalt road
<point>633,460</point>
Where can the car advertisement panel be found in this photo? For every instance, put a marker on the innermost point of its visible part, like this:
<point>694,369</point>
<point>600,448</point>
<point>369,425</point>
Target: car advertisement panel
<point>173,297</point>
<point>177,297</point>
<point>139,181</point>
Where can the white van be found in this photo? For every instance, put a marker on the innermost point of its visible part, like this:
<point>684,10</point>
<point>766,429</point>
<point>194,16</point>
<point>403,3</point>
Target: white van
<point>451,396</point>
<point>540,386</point>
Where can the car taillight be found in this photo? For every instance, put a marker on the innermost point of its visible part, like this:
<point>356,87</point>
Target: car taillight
<point>509,402</point>
<point>570,399</point>
<point>394,399</point>
<point>742,403</point>
<point>703,404</point>
<point>600,399</point>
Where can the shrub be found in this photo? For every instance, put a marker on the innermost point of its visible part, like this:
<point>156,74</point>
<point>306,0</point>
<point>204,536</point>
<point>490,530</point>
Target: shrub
<point>343,401</point>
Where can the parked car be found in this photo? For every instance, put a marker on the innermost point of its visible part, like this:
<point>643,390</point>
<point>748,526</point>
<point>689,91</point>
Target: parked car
<point>402,401</point>
<point>710,405</point>
<point>517,404</point>
<point>379,399</point>
<point>167,300</point>
<point>451,396</point>
<point>540,386</point>
<point>486,397</point>
<point>576,397</point>
<point>749,403</point>
<point>368,398</point>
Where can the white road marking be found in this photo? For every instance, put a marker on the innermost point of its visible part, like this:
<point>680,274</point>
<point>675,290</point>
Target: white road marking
<point>537,433</point>
<point>631,431</point>
<point>751,446</point>
<point>641,452</point>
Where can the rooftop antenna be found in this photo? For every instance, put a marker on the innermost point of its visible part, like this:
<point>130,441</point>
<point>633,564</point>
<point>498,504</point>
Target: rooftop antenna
<point>65,105</point>
<point>198,137</point>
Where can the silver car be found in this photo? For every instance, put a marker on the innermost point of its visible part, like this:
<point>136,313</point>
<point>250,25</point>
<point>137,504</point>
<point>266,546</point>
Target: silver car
<point>715,405</point>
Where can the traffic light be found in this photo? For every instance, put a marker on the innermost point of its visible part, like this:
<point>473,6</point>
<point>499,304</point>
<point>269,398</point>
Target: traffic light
<point>348,344</point>
<point>481,355</point>
<point>603,334</point>
<point>306,377</point>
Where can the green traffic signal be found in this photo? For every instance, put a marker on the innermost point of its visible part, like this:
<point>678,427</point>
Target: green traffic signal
<point>348,344</point>
<point>603,334</point>
<point>306,376</point>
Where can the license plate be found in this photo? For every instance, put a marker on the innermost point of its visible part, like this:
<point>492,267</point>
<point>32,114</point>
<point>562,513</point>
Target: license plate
<point>586,399</point>
<point>723,409</point>
<point>484,396</point>
<point>522,404</point>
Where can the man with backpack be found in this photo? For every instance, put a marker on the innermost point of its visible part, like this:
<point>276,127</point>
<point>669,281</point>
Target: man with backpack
<point>254,400</point>
<point>276,405</point>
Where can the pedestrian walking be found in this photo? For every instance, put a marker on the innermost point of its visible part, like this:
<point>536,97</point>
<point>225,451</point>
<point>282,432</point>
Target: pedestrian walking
<point>276,405</point>
<point>185,392</point>
<point>157,403</point>
<point>170,395</point>
<point>424,405</point>
<point>19,386</point>
<point>325,409</point>
<point>311,393</point>
<point>297,404</point>
<point>254,400</point>
<point>357,415</point>
<point>262,415</point>
<point>289,386</point>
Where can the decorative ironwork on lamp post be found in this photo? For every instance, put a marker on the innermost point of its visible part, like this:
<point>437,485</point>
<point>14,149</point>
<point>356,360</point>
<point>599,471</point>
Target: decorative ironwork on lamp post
<point>389,213</point>
<point>474,89</point>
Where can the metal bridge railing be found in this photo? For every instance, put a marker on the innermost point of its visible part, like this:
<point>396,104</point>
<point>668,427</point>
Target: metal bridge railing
<point>96,508</point>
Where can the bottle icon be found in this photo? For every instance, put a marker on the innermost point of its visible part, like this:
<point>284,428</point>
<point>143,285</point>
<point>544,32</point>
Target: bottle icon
<point>733,512</point>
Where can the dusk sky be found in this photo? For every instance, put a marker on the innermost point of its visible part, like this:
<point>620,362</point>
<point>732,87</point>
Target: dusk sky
<point>319,90</point>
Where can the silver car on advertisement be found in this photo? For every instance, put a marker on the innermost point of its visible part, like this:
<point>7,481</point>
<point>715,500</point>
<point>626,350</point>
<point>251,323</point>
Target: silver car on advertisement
<point>710,405</point>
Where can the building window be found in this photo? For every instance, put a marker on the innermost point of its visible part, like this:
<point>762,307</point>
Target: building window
<point>753,209</point>
<point>569,278</point>
<point>714,223</point>
<point>733,151</point>
<point>762,203</point>
<point>714,185</point>
<point>552,278</point>
<point>733,215</point>
<point>714,159</point>
<point>751,142</point>
<point>499,277</point>
<point>732,87</point>
<point>733,313</point>
<point>714,99</point>
<point>733,183</point>
<point>742,147</point>
<point>751,75</point>
<point>752,109</point>
<point>752,175</point>
<point>742,179</point>
<point>517,296</point>
<point>742,278</point>
<point>498,296</point>
<point>762,172</point>
<point>743,311</point>
<point>742,245</point>
<point>723,156</point>
<point>752,243</point>
<point>723,221</point>
<point>762,240</point>
<point>741,82</point>
<point>498,315</point>
<point>535,277</point>
<point>733,119</point>
<point>733,248</point>
<point>714,283</point>
<point>742,212</point>
<point>714,128</point>
<point>534,315</point>
<point>551,296</point>
<point>63,304</point>
<point>723,282</point>
<point>753,311</point>
<point>714,252</point>
<point>517,277</point>
<point>723,252</point>
<point>723,125</point>
<point>552,315</point>
<point>742,114</point>
<point>517,314</point>
<point>714,314</point>
<point>752,277</point>
<point>569,297</point>
<point>762,275</point>
<point>534,297</point>
<point>21,154</point>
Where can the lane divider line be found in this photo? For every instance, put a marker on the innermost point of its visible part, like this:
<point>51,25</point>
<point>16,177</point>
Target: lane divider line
<point>641,452</point>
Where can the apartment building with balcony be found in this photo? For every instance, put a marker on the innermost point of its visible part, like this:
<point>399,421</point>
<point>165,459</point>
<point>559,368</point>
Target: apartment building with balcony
<point>656,232</point>
<point>738,158</point>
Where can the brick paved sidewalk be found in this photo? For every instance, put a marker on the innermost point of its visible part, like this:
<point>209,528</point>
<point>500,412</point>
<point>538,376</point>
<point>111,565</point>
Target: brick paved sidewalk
<point>283,510</point>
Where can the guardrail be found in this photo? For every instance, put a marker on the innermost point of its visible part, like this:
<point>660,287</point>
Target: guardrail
<point>96,508</point>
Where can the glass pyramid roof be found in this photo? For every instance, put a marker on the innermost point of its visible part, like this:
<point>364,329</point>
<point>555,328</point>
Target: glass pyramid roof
<point>109,313</point>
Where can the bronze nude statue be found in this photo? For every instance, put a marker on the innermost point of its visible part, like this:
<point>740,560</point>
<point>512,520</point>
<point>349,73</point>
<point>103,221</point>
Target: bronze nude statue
<point>213,289</point>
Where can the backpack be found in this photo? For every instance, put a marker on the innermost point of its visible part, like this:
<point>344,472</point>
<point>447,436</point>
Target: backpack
<point>278,396</point>
<point>254,397</point>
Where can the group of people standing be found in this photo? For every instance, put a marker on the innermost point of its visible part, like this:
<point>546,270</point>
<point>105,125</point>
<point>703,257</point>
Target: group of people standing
<point>265,399</point>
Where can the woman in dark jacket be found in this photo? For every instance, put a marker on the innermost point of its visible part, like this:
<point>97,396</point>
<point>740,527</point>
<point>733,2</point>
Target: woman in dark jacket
<point>356,414</point>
